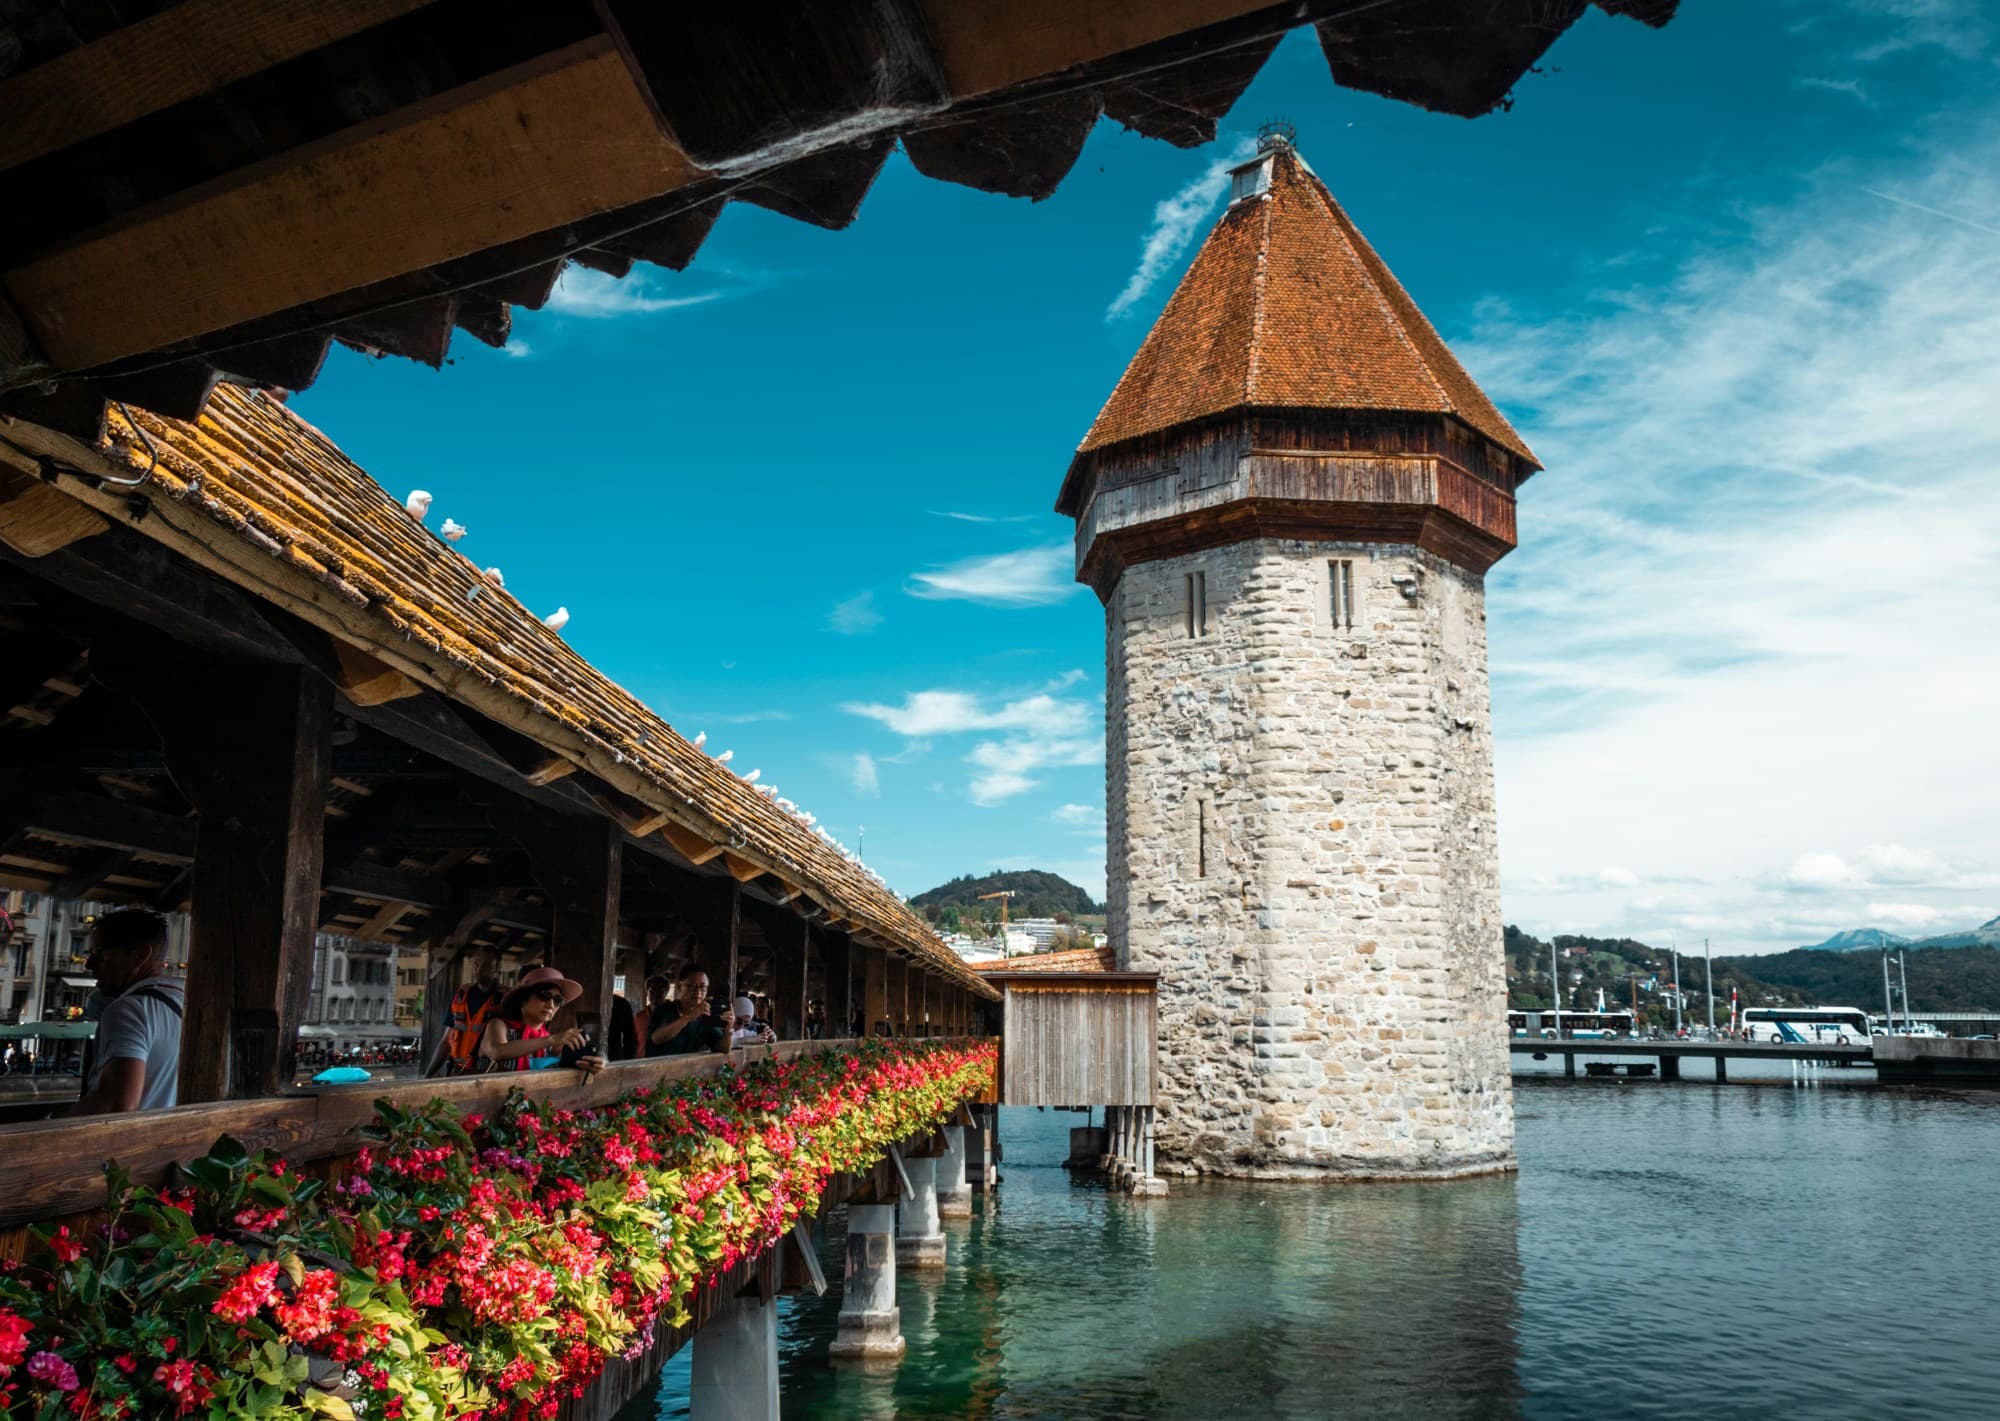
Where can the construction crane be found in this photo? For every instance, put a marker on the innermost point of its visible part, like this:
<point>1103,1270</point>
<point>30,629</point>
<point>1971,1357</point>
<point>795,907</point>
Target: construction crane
<point>1003,895</point>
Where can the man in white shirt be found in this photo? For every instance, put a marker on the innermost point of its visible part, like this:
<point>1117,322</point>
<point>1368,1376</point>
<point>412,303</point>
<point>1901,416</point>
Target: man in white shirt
<point>749,1030</point>
<point>134,1062</point>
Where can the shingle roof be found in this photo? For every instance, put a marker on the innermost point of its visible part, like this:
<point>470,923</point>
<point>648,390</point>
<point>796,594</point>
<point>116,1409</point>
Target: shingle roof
<point>1287,306</point>
<point>265,486</point>
<point>1075,959</point>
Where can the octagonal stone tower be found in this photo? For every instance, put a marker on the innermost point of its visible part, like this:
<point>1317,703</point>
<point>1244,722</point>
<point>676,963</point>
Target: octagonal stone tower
<point>1288,506</point>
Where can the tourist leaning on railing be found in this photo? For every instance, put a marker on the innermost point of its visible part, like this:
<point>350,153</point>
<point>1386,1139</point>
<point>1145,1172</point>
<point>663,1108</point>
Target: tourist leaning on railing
<point>517,1037</point>
<point>687,1025</point>
<point>134,1061</point>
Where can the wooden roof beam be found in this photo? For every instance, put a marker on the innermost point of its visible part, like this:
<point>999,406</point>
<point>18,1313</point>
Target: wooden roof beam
<point>375,201</point>
<point>197,47</point>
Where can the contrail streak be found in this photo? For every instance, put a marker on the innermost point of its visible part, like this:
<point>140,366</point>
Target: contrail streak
<point>1935,212</point>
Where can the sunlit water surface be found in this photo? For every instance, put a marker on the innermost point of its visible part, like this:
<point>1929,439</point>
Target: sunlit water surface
<point>1689,1250</point>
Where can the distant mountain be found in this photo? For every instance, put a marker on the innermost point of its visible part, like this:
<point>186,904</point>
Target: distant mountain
<point>1856,939</point>
<point>1037,894</point>
<point>1987,934</point>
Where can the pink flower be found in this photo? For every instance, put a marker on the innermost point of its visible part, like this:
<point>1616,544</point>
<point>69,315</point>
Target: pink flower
<point>51,1370</point>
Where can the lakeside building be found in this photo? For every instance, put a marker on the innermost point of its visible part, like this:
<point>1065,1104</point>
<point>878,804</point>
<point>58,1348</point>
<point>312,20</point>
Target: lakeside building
<point>1287,506</point>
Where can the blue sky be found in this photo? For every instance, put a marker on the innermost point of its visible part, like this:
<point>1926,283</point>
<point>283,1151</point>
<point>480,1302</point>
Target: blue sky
<point>1735,280</point>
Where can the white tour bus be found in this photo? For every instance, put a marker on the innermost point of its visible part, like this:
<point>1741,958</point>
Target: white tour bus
<point>1808,1026</point>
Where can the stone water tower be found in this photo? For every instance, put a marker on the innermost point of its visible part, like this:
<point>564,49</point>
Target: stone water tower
<point>1288,506</point>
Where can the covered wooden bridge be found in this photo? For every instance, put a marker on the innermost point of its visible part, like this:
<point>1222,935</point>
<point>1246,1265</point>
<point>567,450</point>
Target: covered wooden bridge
<point>275,699</point>
<point>241,679</point>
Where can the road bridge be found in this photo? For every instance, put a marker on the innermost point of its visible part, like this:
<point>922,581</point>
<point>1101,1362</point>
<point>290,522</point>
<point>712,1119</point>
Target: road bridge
<point>1670,1054</point>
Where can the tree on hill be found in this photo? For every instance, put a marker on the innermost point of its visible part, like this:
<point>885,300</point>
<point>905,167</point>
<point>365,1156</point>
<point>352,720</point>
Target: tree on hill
<point>1037,894</point>
<point>1941,978</point>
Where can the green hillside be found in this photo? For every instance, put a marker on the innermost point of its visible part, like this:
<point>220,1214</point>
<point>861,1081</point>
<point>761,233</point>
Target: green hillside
<point>1941,978</point>
<point>1037,894</point>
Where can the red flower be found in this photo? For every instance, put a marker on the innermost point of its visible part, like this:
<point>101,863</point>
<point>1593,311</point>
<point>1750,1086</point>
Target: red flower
<point>254,1287</point>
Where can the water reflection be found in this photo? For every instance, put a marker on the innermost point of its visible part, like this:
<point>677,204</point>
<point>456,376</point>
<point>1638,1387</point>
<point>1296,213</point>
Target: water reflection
<point>1667,1251</point>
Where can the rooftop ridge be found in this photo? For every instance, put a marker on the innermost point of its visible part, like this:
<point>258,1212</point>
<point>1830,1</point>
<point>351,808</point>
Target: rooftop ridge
<point>1289,307</point>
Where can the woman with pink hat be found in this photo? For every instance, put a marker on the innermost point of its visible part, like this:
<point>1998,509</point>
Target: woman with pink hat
<point>517,1035</point>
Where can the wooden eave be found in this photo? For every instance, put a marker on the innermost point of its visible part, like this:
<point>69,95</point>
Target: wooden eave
<point>370,577</point>
<point>208,189</point>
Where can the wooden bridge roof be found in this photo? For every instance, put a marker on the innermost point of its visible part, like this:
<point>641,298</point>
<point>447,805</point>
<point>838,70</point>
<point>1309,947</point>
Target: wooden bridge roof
<point>214,190</point>
<point>259,497</point>
<point>1286,306</point>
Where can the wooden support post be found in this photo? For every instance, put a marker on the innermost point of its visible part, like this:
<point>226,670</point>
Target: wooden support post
<point>250,746</point>
<point>836,954</point>
<point>578,862</point>
<point>735,937</point>
<point>874,989</point>
<point>788,964</point>
<point>898,995</point>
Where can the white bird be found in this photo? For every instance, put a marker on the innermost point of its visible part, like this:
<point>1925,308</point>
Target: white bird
<point>700,739</point>
<point>453,530</point>
<point>492,575</point>
<point>418,504</point>
<point>725,757</point>
<point>752,777</point>
<point>557,620</point>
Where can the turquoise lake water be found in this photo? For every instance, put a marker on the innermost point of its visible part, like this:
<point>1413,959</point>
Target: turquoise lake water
<point>1665,1251</point>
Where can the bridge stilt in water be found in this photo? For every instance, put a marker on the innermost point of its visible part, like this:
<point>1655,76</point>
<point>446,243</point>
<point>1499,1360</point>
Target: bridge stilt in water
<point>734,1374</point>
<point>954,1194</point>
<point>919,1240</point>
<point>870,1328</point>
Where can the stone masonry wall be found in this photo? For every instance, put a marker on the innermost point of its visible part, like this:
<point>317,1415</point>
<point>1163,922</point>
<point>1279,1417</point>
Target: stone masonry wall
<point>1302,844</point>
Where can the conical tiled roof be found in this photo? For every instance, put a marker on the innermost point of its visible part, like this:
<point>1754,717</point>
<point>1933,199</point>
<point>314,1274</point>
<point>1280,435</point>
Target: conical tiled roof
<point>1287,306</point>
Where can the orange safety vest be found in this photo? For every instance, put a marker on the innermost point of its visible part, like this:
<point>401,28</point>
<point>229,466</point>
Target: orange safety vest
<point>466,1024</point>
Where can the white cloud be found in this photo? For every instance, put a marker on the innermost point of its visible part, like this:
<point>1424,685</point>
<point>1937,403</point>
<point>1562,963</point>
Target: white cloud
<point>1044,730</point>
<point>1615,877</point>
<point>1032,577</point>
<point>1175,222</point>
<point>980,517</point>
<point>1849,87</point>
<point>1812,872</point>
<point>854,616</point>
<point>1904,915</point>
<point>1076,814</point>
<point>926,713</point>
<point>1007,766</point>
<point>596,295</point>
<point>1758,587</point>
<point>861,771</point>
<point>517,348</point>
<point>1962,29</point>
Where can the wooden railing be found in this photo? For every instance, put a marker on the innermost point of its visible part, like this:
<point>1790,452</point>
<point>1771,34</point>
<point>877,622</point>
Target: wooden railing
<point>50,1169</point>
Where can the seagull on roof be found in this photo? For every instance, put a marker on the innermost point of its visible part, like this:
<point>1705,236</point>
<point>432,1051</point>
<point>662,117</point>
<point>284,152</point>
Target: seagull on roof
<point>557,620</point>
<point>492,575</point>
<point>725,757</point>
<point>418,504</point>
<point>453,530</point>
<point>700,739</point>
<point>752,777</point>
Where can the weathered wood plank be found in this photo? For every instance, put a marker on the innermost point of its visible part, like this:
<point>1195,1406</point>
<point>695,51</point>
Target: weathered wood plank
<point>486,163</point>
<point>193,48</point>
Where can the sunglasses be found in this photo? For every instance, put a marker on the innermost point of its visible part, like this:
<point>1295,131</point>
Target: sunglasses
<point>549,994</point>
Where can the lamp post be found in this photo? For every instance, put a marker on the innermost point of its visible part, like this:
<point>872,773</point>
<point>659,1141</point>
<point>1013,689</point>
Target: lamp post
<point>1709,958</point>
<point>1556,988</point>
<point>1888,1001</point>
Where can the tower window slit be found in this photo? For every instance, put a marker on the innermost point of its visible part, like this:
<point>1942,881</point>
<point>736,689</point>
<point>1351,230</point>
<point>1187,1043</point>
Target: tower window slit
<point>1197,604</point>
<point>1340,584</point>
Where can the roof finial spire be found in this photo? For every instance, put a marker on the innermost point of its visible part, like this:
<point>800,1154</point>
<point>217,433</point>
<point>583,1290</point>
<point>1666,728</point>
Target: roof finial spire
<point>1276,133</point>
